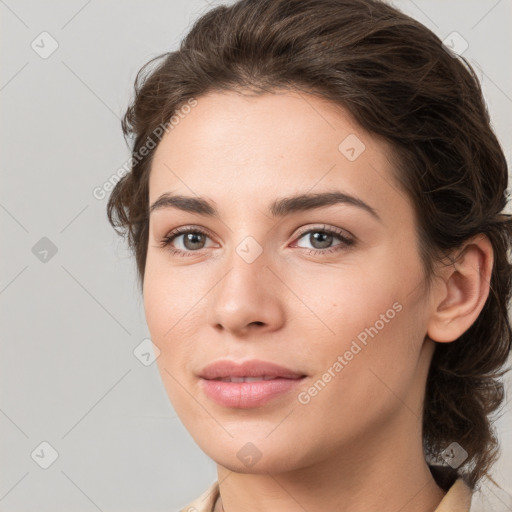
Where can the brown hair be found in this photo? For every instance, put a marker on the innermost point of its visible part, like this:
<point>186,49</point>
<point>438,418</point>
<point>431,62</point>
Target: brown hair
<point>395,77</point>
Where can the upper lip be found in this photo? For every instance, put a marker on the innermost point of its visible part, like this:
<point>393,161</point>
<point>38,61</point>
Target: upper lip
<point>253,368</point>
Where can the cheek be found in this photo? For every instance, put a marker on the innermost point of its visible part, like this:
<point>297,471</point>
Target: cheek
<point>340,301</point>
<point>169,295</point>
<point>372,317</point>
<point>170,309</point>
<point>172,323</point>
<point>364,375</point>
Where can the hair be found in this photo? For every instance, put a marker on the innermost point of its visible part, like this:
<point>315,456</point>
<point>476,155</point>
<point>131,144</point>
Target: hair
<point>399,82</point>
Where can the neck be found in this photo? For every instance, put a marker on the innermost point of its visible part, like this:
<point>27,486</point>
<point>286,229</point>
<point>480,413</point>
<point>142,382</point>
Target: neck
<point>388,474</point>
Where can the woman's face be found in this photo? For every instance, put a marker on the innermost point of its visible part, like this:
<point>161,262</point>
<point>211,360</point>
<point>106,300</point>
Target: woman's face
<point>330,291</point>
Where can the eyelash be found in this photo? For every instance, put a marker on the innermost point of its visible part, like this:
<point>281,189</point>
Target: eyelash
<point>345,242</point>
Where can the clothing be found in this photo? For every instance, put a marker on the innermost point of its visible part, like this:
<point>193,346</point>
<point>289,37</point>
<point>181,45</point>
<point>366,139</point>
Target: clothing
<point>457,499</point>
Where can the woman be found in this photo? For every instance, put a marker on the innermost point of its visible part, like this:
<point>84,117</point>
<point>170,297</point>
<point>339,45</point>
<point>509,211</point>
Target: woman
<point>316,210</point>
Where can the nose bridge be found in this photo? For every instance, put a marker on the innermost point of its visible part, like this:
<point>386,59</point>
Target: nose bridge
<point>247,252</point>
<point>247,270</point>
<point>247,292</point>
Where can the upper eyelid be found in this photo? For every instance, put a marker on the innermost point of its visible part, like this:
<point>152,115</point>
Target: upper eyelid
<point>337,231</point>
<point>191,228</point>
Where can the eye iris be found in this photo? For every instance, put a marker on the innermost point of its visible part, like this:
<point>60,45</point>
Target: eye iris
<point>192,238</point>
<point>327,239</point>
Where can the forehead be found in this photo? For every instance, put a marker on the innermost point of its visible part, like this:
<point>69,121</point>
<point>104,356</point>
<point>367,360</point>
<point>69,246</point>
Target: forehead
<point>232,146</point>
<point>277,124</point>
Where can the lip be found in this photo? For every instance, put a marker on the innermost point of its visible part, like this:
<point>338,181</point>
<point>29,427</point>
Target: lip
<point>252,368</point>
<point>244,395</point>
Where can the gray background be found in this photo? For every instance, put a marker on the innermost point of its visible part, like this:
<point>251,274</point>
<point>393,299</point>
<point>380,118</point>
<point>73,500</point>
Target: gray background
<point>70,324</point>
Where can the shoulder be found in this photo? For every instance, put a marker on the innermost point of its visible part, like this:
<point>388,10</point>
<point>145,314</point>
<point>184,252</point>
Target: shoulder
<point>206,501</point>
<point>457,498</point>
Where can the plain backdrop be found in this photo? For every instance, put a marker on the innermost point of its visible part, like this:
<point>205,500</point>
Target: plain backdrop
<point>74,396</point>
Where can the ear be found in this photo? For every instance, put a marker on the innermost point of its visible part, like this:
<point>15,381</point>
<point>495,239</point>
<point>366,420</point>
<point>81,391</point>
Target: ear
<point>461,290</point>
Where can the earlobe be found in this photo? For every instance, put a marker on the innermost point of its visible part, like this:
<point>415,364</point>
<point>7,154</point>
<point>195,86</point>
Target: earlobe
<point>461,291</point>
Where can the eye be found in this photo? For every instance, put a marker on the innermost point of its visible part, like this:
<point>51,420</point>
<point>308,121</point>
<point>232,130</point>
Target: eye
<point>321,238</point>
<point>193,240</point>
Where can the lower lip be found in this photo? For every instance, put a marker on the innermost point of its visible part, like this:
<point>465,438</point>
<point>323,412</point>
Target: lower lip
<point>243,395</point>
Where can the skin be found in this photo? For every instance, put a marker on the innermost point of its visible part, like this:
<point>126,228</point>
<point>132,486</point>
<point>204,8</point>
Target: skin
<point>357,445</point>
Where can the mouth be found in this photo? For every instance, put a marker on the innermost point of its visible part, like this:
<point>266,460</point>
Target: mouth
<point>252,379</point>
<point>248,384</point>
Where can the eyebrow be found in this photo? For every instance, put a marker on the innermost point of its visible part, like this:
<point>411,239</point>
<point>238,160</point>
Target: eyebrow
<point>279,208</point>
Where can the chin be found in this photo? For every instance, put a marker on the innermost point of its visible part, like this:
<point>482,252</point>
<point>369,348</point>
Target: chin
<point>254,458</point>
<point>262,467</point>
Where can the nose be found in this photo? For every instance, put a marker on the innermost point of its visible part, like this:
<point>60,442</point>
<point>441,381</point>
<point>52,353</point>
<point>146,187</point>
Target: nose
<point>247,298</point>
